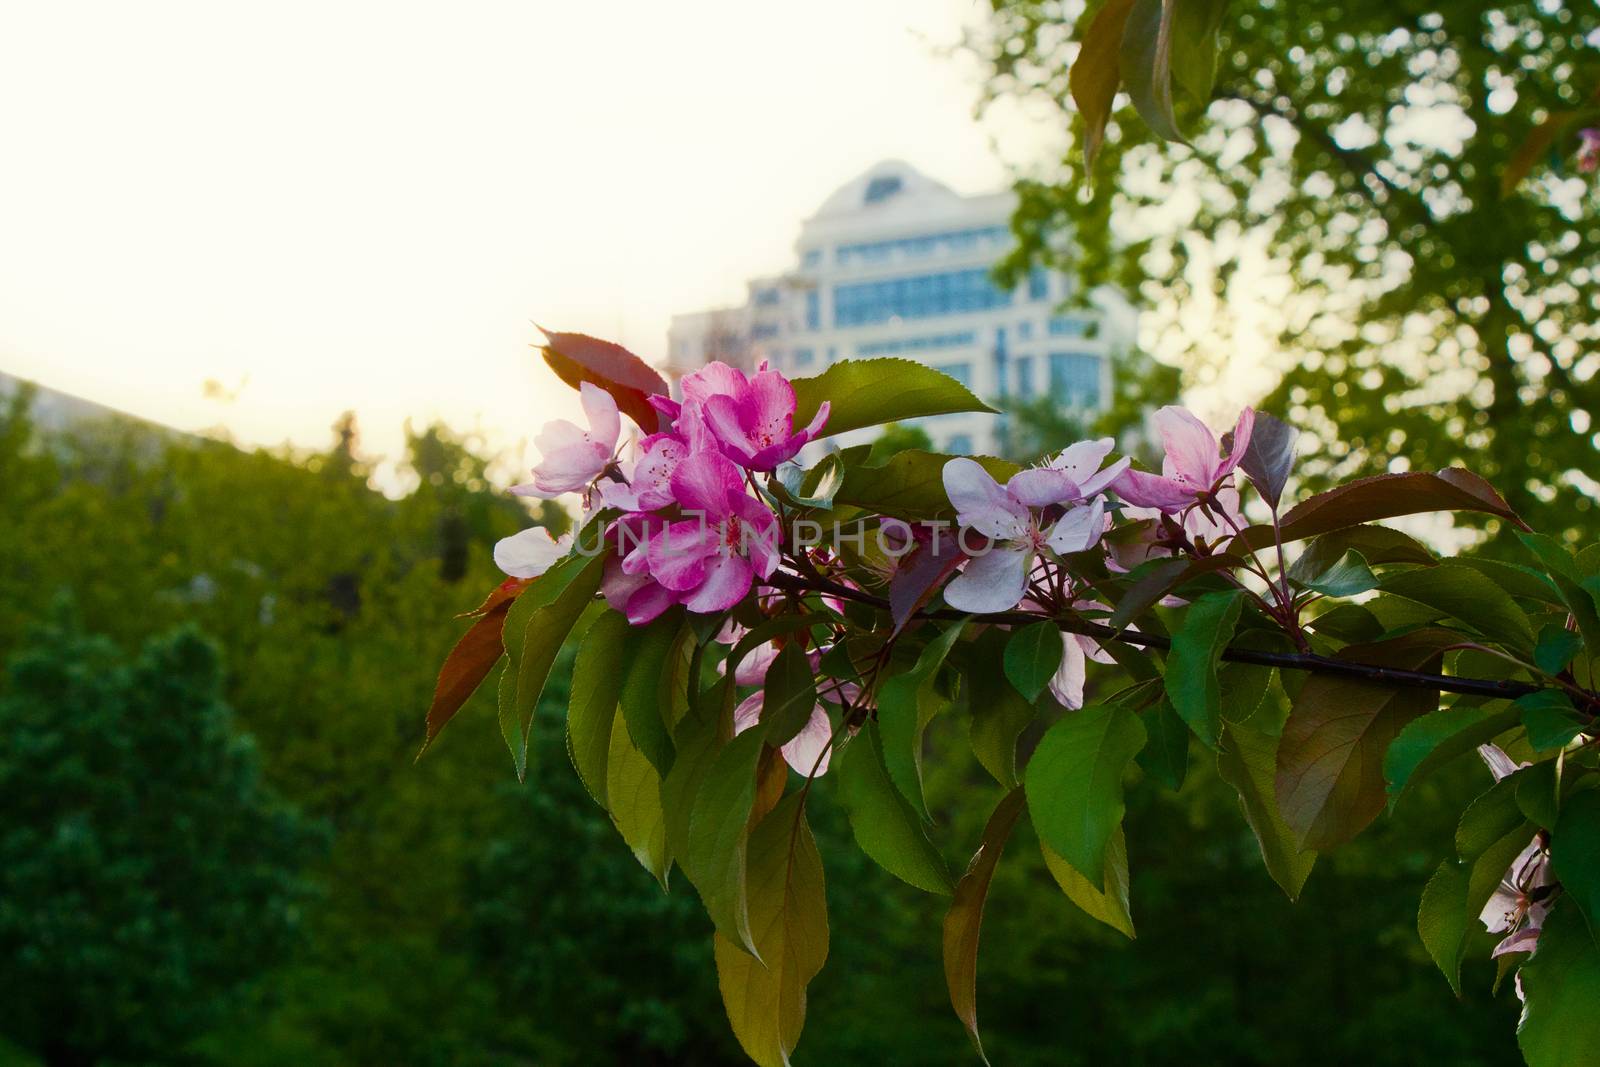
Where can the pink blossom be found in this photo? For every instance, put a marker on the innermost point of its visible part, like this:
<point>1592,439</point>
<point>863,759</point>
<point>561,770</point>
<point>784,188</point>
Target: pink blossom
<point>530,553</point>
<point>626,583</point>
<point>997,579</point>
<point>1588,150</point>
<point>647,485</point>
<point>1072,476</point>
<point>573,457</point>
<point>1521,901</point>
<point>808,751</point>
<point>711,560</point>
<point>753,418</point>
<point>1193,466</point>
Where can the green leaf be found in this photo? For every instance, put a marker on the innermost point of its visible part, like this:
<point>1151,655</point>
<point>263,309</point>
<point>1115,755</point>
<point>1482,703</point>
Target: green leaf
<point>1347,576</point>
<point>554,603</point>
<point>1490,817</point>
<point>1146,64</point>
<point>1551,719</point>
<point>964,920</point>
<point>789,694</point>
<point>697,741</point>
<point>1575,852</point>
<point>1443,921</point>
<point>1096,73</point>
<point>718,832</point>
<point>633,787</point>
<point>1032,657</point>
<point>1557,645</point>
<point>999,713</point>
<point>814,487</point>
<point>1466,595</point>
<point>1166,757</point>
<point>1074,783</point>
<point>1157,578</point>
<point>1428,743</point>
<point>1194,66</point>
<point>1333,743</point>
<point>469,662</point>
<point>910,484</point>
<point>906,704</point>
<point>1242,686</point>
<point>1538,789</point>
<point>1191,678</point>
<point>766,998</point>
<point>592,708</point>
<point>870,392</point>
<point>885,826</point>
<point>1560,1027</point>
<point>1377,545</point>
<point>648,656</point>
<point>1247,760</point>
<point>1107,903</point>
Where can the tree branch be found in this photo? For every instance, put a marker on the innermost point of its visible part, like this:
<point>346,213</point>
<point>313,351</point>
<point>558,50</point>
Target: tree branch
<point>1292,661</point>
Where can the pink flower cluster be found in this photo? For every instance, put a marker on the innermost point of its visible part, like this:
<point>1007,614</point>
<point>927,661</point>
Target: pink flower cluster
<point>692,531</point>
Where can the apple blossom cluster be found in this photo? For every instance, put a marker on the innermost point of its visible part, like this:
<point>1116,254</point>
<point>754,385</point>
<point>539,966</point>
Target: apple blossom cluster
<point>692,529</point>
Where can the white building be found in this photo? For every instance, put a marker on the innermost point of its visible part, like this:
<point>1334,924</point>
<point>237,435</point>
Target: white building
<point>895,264</point>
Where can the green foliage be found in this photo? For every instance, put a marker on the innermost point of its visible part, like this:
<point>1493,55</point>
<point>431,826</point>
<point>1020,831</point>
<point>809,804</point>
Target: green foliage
<point>871,392</point>
<point>146,871</point>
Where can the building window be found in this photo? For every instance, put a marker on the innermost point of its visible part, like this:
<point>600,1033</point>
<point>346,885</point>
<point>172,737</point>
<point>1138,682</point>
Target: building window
<point>961,372</point>
<point>833,354</point>
<point>1075,379</point>
<point>959,444</point>
<point>1025,377</point>
<point>813,310</point>
<point>955,241</point>
<point>812,258</point>
<point>762,330</point>
<point>1038,284</point>
<point>1025,330</point>
<point>917,296</point>
<point>804,357</point>
<point>961,339</point>
<point>766,297</point>
<point>1066,326</point>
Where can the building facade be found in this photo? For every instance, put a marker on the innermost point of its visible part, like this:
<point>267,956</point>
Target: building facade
<point>896,264</point>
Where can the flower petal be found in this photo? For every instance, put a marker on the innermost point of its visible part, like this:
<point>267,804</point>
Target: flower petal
<point>727,580</point>
<point>530,553</point>
<point>809,751</point>
<point>1040,487</point>
<point>1067,683</point>
<point>747,714</point>
<point>1080,528</point>
<point>1189,444</point>
<point>1241,441</point>
<point>605,425</point>
<point>649,602</point>
<point>981,503</point>
<point>708,483</point>
<point>680,555</point>
<point>1152,491</point>
<point>991,582</point>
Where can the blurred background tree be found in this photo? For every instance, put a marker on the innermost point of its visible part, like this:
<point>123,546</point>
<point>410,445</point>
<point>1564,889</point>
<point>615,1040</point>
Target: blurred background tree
<point>145,872</point>
<point>1347,177</point>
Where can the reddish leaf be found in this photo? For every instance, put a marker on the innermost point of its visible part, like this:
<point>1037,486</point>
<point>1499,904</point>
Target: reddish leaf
<point>578,358</point>
<point>1330,780</point>
<point>469,662</point>
<point>1387,496</point>
<point>1096,73</point>
<point>919,574</point>
<point>965,918</point>
<point>503,593</point>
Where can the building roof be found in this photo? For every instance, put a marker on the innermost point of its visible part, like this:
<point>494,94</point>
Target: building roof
<point>891,187</point>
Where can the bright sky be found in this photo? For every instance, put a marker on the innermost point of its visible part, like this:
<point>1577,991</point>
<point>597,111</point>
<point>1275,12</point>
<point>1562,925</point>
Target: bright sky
<point>336,205</point>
